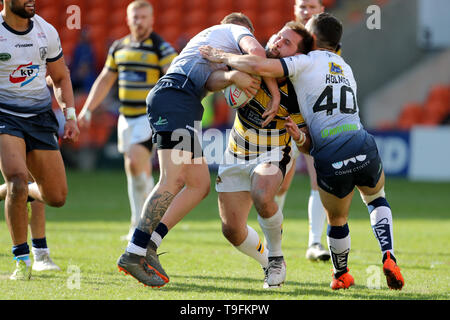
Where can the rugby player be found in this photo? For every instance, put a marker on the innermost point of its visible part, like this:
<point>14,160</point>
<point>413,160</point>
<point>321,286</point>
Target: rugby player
<point>138,60</point>
<point>175,112</point>
<point>304,10</point>
<point>345,154</point>
<point>29,49</point>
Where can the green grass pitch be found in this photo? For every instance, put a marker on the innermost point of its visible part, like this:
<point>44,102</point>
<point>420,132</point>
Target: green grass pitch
<point>84,239</point>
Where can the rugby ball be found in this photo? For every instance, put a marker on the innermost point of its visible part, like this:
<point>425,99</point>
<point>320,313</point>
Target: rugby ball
<point>235,97</point>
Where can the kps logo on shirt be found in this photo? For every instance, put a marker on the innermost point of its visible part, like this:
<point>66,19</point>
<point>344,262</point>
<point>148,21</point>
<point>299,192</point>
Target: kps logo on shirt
<point>24,74</point>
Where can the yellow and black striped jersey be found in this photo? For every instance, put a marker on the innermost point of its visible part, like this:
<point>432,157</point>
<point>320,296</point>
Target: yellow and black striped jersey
<point>139,66</point>
<point>248,139</point>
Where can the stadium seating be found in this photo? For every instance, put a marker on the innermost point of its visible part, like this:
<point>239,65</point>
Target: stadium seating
<point>432,112</point>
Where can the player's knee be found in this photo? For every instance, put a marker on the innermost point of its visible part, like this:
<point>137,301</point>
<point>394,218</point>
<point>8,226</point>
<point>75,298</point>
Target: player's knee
<point>231,233</point>
<point>18,186</point>
<point>262,200</point>
<point>57,199</point>
<point>206,188</point>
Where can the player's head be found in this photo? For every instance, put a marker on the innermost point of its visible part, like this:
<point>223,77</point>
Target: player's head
<point>305,9</point>
<point>326,29</point>
<point>240,19</point>
<point>293,38</point>
<point>22,8</point>
<point>140,18</point>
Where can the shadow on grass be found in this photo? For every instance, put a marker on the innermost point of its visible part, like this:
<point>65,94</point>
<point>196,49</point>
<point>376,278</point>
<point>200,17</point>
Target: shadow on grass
<point>290,290</point>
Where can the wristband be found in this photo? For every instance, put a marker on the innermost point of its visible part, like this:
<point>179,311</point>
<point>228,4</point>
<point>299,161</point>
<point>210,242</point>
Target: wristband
<point>302,140</point>
<point>70,113</point>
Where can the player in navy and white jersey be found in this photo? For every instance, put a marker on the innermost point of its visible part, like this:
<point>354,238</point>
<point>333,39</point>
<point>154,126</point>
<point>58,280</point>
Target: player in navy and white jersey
<point>175,112</point>
<point>30,49</point>
<point>304,10</point>
<point>345,154</point>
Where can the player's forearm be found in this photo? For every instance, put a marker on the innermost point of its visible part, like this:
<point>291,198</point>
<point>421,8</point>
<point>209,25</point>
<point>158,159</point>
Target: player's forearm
<point>244,63</point>
<point>219,80</point>
<point>98,92</point>
<point>272,85</point>
<point>256,65</point>
<point>62,89</point>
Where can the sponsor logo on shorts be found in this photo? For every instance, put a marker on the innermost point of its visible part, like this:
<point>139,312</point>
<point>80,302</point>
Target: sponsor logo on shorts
<point>340,164</point>
<point>161,122</point>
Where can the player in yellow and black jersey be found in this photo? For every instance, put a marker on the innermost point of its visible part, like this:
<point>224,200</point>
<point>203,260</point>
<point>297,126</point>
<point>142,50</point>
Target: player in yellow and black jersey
<point>248,138</point>
<point>256,160</point>
<point>139,66</point>
<point>136,61</point>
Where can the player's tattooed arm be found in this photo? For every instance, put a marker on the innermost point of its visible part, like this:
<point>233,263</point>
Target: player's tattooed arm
<point>153,211</point>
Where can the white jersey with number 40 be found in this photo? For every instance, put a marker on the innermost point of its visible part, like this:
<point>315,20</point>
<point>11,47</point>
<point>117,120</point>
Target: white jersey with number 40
<point>326,92</point>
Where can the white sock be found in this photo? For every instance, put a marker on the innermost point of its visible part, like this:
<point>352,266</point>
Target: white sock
<point>253,247</point>
<point>273,229</point>
<point>138,189</point>
<point>156,238</point>
<point>132,248</point>
<point>339,243</point>
<point>381,221</point>
<point>39,252</point>
<point>25,258</point>
<point>280,200</point>
<point>316,216</point>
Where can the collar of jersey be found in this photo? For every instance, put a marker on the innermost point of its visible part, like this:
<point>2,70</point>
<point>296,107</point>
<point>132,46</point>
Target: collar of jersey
<point>20,33</point>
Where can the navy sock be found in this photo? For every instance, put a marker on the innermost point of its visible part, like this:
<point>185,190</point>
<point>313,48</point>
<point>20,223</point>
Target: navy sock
<point>39,243</point>
<point>140,238</point>
<point>162,230</point>
<point>21,249</point>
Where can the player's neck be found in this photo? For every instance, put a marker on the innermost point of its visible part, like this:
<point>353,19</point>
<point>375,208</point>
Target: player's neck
<point>136,38</point>
<point>326,49</point>
<point>16,22</point>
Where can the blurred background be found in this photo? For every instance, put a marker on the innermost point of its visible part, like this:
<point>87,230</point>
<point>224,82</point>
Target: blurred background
<point>402,70</point>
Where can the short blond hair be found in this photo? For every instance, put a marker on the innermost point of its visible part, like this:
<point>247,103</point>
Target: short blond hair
<point>136,4</point>
<point>240,19</point>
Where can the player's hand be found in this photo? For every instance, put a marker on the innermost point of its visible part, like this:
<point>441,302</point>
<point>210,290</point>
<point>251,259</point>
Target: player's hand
<point>212,54</point>
<point>248,83</point>
<point>84,118</point>
<point>71,131</point>
<point>271,111</point>
<point>297,135</point>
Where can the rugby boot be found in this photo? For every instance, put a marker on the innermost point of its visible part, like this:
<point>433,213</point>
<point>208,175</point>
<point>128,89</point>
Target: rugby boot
<point>275,273</point>
<point>344,281</point>
<point>153,260</point>
<point>317,252</point>
<point>137,266</point>
<point>392,272</point>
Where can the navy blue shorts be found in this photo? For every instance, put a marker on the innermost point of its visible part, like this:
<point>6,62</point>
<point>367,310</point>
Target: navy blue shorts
<point>171,107</point>
<point>39,132</point>
<point>339,178</point>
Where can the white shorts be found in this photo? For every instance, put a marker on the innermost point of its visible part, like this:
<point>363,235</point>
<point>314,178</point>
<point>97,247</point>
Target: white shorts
<point>132,131</point>
<point>235,175</point>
